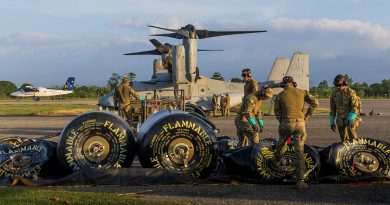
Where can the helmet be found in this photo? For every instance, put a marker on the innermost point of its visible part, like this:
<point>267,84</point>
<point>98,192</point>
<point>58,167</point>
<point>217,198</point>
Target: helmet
<point>125,79</point>
<point>339,81</point>
<point>266,91</point>
<point>246,71</point>
<point>286,80</point>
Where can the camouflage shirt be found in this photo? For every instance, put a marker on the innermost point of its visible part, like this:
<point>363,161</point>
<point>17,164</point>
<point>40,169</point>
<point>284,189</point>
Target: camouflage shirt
<point>344,101</point>
<point>123,92</point>
<point>289,104</point>
<point>250,108</point>
<point>227,101</point>
<point>250,87</point>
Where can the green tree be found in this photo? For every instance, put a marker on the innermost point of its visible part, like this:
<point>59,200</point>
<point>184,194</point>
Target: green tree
<point>323,84</point>
<point>132,76</point>
<point>7,87</point>
<point>217,76</point>
<point>113,81</point>
<point>236,80</point>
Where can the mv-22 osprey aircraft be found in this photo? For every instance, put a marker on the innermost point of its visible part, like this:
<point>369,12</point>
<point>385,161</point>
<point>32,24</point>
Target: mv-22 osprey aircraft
<point>177,69</point>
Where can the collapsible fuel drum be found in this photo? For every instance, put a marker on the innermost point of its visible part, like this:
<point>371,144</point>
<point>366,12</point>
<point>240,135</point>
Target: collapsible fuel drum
<point>26,158</point>
<point>97,139</point>
<point>361,158</point>
<point>179,142</point>
<point>254,162</point>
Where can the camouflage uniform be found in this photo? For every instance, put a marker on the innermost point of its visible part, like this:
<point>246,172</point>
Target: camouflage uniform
<point>215,107</point>
<point>289,105</point>
<point>342,102</point>
<point>122,95</point>
<point>250,87</point>
<point>227,105</point>
<point>250,108</point>
<point>222,105</point>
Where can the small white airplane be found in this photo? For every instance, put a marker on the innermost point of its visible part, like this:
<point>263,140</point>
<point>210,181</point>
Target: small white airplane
<point>36,93</point>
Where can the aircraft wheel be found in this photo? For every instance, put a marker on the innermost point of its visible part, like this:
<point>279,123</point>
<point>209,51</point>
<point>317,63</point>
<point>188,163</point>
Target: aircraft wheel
<point>27,158</point>
<point>180,143</point>
<point>363,157</point>
<point>264,153</point>
<point>97,139</point>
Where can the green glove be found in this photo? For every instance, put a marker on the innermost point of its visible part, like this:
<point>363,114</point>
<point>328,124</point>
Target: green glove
<point>332,119</point>
<point>252,121</point>
<point>351,116</point>
<point>260,121</point>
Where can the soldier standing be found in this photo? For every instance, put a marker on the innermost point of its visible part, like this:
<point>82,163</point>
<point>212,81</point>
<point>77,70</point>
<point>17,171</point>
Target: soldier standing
<point>249,121</point>
<point>344,107</point>
<point>289,105</point>
<point>122,97</point>
<point>222,105</point>
<point>250,84</point>
<point>227,105</point>
<point>215,106</point>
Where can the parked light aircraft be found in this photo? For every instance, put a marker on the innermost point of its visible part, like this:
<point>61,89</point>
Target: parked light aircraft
<point>185,75</point>
<point>36,93</point>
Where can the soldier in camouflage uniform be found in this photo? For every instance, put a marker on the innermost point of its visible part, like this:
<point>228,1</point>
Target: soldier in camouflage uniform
<point>249,121</point>
<point>227,105</point>
<point>289,105</point>
<point>344,107</point>
<point>122,97</point>
<point>250,84</point>
<point>215,106</point>
<point>222,105</point>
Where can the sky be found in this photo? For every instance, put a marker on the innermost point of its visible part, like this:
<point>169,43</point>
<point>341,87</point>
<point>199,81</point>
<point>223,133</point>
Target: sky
<point>42,42</point>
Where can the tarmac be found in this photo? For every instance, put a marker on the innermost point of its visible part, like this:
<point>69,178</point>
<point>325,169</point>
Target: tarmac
<point>319,134</point>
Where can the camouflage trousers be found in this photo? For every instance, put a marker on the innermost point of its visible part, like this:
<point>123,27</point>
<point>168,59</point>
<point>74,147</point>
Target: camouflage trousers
<point>215,110</point>
<point>347,133</point>
<point>227,111</point>
<point>246,135</point>
<point>297,129</point>
<point>126,113</point>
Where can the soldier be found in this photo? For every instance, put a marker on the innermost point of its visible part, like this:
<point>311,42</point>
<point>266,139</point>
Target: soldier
<point>227,105</point>
<point>344,105</point>
<point>289,105</point>
<point>222,105</point>
<point>249,120</point>
<point>122,97</point>
<point>250,84</point>
<point>215,106</point>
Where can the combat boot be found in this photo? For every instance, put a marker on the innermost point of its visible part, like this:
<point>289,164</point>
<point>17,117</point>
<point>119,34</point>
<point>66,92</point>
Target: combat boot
<point>301,185</point>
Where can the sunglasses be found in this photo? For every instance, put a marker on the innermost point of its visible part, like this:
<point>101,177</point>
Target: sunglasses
<point>245,75</point>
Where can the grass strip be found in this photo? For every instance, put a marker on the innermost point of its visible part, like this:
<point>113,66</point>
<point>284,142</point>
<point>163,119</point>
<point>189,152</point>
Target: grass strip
<point>44,109</point>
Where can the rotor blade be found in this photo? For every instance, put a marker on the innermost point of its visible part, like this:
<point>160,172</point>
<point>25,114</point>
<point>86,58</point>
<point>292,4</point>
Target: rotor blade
<point>151,52</point>
<point>179,31</point>
<point>210,50</point>
<point>159,46</point>
<point>208,34</point>
<point>172,35</point>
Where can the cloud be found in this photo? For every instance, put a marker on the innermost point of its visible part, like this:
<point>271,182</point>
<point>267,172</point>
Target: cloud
<point>35,38</point>
<point>378,35</point>
<point>130,22</point>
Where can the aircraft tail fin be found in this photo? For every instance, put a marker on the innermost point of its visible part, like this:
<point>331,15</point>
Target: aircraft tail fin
<point>299,70</point>
<point>69,85</point>
<point>279,69</point>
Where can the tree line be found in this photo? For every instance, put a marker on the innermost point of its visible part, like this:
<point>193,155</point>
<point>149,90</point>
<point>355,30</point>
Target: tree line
<point>363,90</point>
